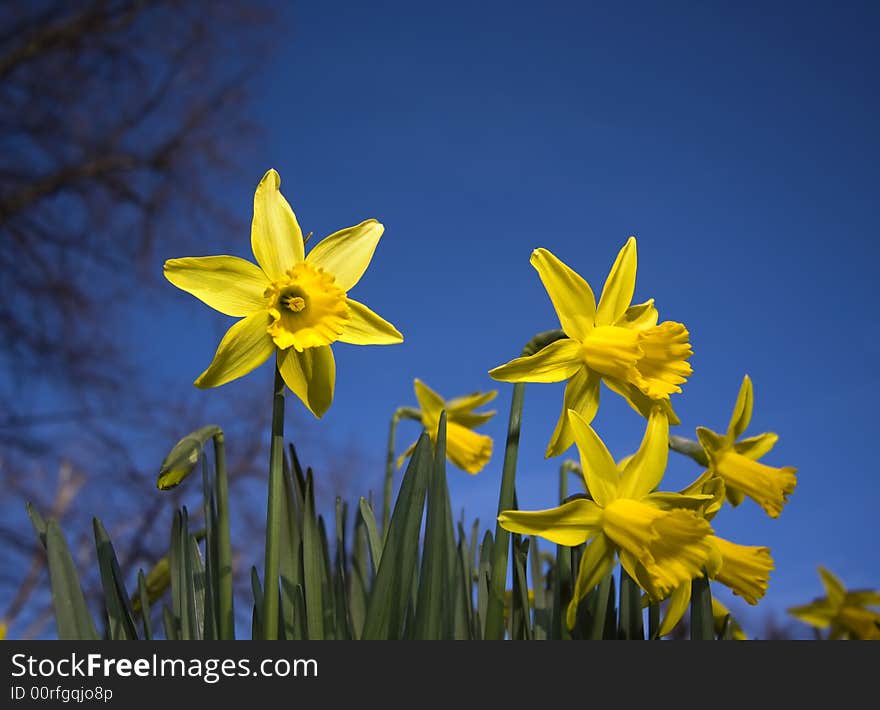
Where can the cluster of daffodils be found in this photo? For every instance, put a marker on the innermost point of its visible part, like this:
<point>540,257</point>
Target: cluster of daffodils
<point>295,305</point>
<point>663,540</point>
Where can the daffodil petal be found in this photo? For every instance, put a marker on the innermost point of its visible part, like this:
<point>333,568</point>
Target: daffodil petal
<point>645,470</point>
<point>469,402</point>
<point>639,401</point>
<point>581,395</point>
<point>572,297</point>
<point>640,316</point>
<point>554,363</point>
<point>619,286</point>
<point>569,524</point>
<point>430,403</point>
<point>276,237</point>
<point>600,471</point>
<point>347,253</point>
<point>818,614</point>
<point>364,327</point>
<point>834,589</point>
<point>470,419</point>
<point>596,562</point>
<point>678,604</point>
<point>226,283</point>
<point>742,410</point>
<point>863,597</point>
<point>245,347</point>
<point>744,569</point>
<point>310,375</point>
<point>467,449</point>
<point>754,447</point>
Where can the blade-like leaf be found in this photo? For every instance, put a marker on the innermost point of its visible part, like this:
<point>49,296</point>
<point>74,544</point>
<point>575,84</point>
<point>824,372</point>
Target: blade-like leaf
<point>119,613</point>
<point>313,562</point>
<point>71,611</point>
<point>144,597</point>
<point>702,622</point>
<point>390,596</point>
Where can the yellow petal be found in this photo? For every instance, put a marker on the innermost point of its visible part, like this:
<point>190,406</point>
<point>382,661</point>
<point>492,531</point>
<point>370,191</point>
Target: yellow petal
<point>275,234</point>
<point>581,395</point>
<point>367,328</point>
<point>645,470</point>
<point>639,317</point>
<point>554,363</point>
<point>755,447</point>
<point>663,365</point>
<point>742,410</point>
<point>245,347</point>
<point>672,546</point>
<point>818,614</point>
<point>619,286</point>
<point>570,524</point>
<point>431,404</point>
<point>467,449</point>
<point>470,419</point>
<point>572,297</point>
<point>597,464</point>
<point>639,401</point>
<point>834,589</point>
<point>720,613</point>
<point>768,487</point>
<point>347,253</point>
<point>745,569</point>
<point>596,562</point>
<point>863,597</point>
<point>678,604</point>
<point>469,402</point>
<point>310,375</point>
<point>226,283</point>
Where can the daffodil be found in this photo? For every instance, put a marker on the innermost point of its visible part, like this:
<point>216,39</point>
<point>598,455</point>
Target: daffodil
<point>846,614</point>
<point>744,569</point>
<point>467,449</point>
<point>721,615</point>
<point>613,341</point>
<point>291,305</point>
<point>659,542</point>
<point>736,462</point>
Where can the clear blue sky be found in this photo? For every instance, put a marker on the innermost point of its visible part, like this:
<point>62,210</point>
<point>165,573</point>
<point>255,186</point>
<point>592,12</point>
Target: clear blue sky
<point>738,143</point>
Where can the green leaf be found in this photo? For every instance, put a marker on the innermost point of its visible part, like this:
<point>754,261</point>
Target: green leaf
<point>562,591</point>
<point>170,624</point>
<point>38,523</point>
<point>484,577</point>
<point>290,566</point>
<point>343,621</point>
<point>313,562</point>
<point>196,588</point>
<point>702,623</point>
<point>392,590</point>
<point>119,613</point>
<point>603,616</point>
<point>257,617</point>
<point>71,611</point>
<point>631,622</point>
<point>433,579</point>
<point>373,538</point>
<point>539,588</point>
<point>359,579</point>
<point>520,609</point>
<point>211,620</point>
<point>329,603</point>
<point>144,597</point>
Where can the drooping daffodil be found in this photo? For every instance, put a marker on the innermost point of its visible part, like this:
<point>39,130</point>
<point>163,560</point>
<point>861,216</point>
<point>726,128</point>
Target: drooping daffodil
<point>659,542</point>
<point>466,448</point>
<point>846,614</point>
<point>736,462</point>
<point>613,341</point>
<point>745,569</point>
<point>291,305</point>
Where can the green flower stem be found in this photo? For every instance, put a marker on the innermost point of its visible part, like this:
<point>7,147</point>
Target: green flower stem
<point>224,546</point>
<point>500,550</point>
<point>399,413</point>
<point>690,448</point>
<point>568,467</point>
<point>274,513</point>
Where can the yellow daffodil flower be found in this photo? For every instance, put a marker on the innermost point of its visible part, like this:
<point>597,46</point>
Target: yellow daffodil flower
<point>464,447</point>
<point>660,543</point>
<point>613,341</point>
<point>847,614</point>
<point>719,614</point>
<point>736,462</point>
<point>743,569</point>
<point>291,305</point>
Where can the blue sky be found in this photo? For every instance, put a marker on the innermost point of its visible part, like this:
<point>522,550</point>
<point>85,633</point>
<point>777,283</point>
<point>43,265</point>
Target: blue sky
<point>737,142</point>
